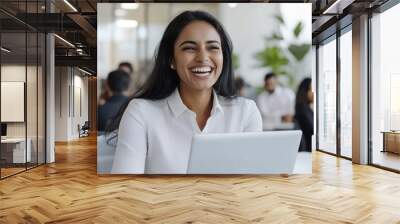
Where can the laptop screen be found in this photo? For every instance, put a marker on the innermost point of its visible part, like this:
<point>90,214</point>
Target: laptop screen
<point>3,129</point>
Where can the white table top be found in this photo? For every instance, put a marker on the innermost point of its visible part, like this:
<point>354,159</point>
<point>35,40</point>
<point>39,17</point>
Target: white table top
<point>303,163</point>
<point>13,140</point>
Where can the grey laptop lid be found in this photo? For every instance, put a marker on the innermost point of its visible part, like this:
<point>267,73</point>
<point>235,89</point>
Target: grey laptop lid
<point>244,153</point>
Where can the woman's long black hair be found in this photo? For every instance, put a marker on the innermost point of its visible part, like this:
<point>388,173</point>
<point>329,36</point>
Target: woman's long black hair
<point>302,92</point>
<point>163,80</point>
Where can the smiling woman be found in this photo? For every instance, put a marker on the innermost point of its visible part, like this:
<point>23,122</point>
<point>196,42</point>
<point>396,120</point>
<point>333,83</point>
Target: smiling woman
<point>190,91</point>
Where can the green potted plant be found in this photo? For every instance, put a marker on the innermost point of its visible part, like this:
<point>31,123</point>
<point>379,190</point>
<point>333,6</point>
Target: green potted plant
<point>282,58</point>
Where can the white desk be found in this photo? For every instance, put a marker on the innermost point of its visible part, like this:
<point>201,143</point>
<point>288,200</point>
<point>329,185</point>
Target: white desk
<point>303,163</point>
<point>18,150</point>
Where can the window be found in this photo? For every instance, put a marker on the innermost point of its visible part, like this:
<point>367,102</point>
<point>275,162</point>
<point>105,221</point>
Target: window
<point>327,97</point>
<point>346,94</point>
<point>385,89</point>
<point>22,77</point>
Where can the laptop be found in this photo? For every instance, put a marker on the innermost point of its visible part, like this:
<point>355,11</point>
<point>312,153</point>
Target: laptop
<point>271,152</point>
<point>3,131</point>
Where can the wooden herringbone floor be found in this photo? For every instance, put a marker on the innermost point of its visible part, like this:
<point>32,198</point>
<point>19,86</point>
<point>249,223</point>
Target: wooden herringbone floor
<point>70,191</point>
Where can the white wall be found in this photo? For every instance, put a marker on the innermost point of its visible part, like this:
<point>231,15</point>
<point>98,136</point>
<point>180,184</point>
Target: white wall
<point>248,25</point>
<point>292,13</point>
<point>61,103</point>
<point>67,115</point>
<point>80,84</point>
<point>12,73</point>
<point>33,125</point>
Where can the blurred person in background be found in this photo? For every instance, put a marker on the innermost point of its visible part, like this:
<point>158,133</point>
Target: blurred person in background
<point>126,67</point>
<point>244,89</point>
<point>304,114</point>
<point>239,86</point>
<point>276,104</point>
<point>106,92</point>
<point>118,82</point>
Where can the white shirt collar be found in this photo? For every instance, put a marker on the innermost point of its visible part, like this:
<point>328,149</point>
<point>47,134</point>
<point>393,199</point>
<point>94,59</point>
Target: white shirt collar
<point>177,107</point>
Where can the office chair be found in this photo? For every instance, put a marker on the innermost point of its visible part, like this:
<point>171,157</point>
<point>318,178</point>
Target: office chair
<point>84,130</point>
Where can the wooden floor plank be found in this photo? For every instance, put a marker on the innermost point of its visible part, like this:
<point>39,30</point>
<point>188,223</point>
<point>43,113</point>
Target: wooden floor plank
<point>70,191</point>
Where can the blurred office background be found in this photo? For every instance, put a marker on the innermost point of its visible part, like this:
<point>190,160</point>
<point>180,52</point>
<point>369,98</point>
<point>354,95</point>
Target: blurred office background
<point>131,32</point>
<point>266,38</point>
